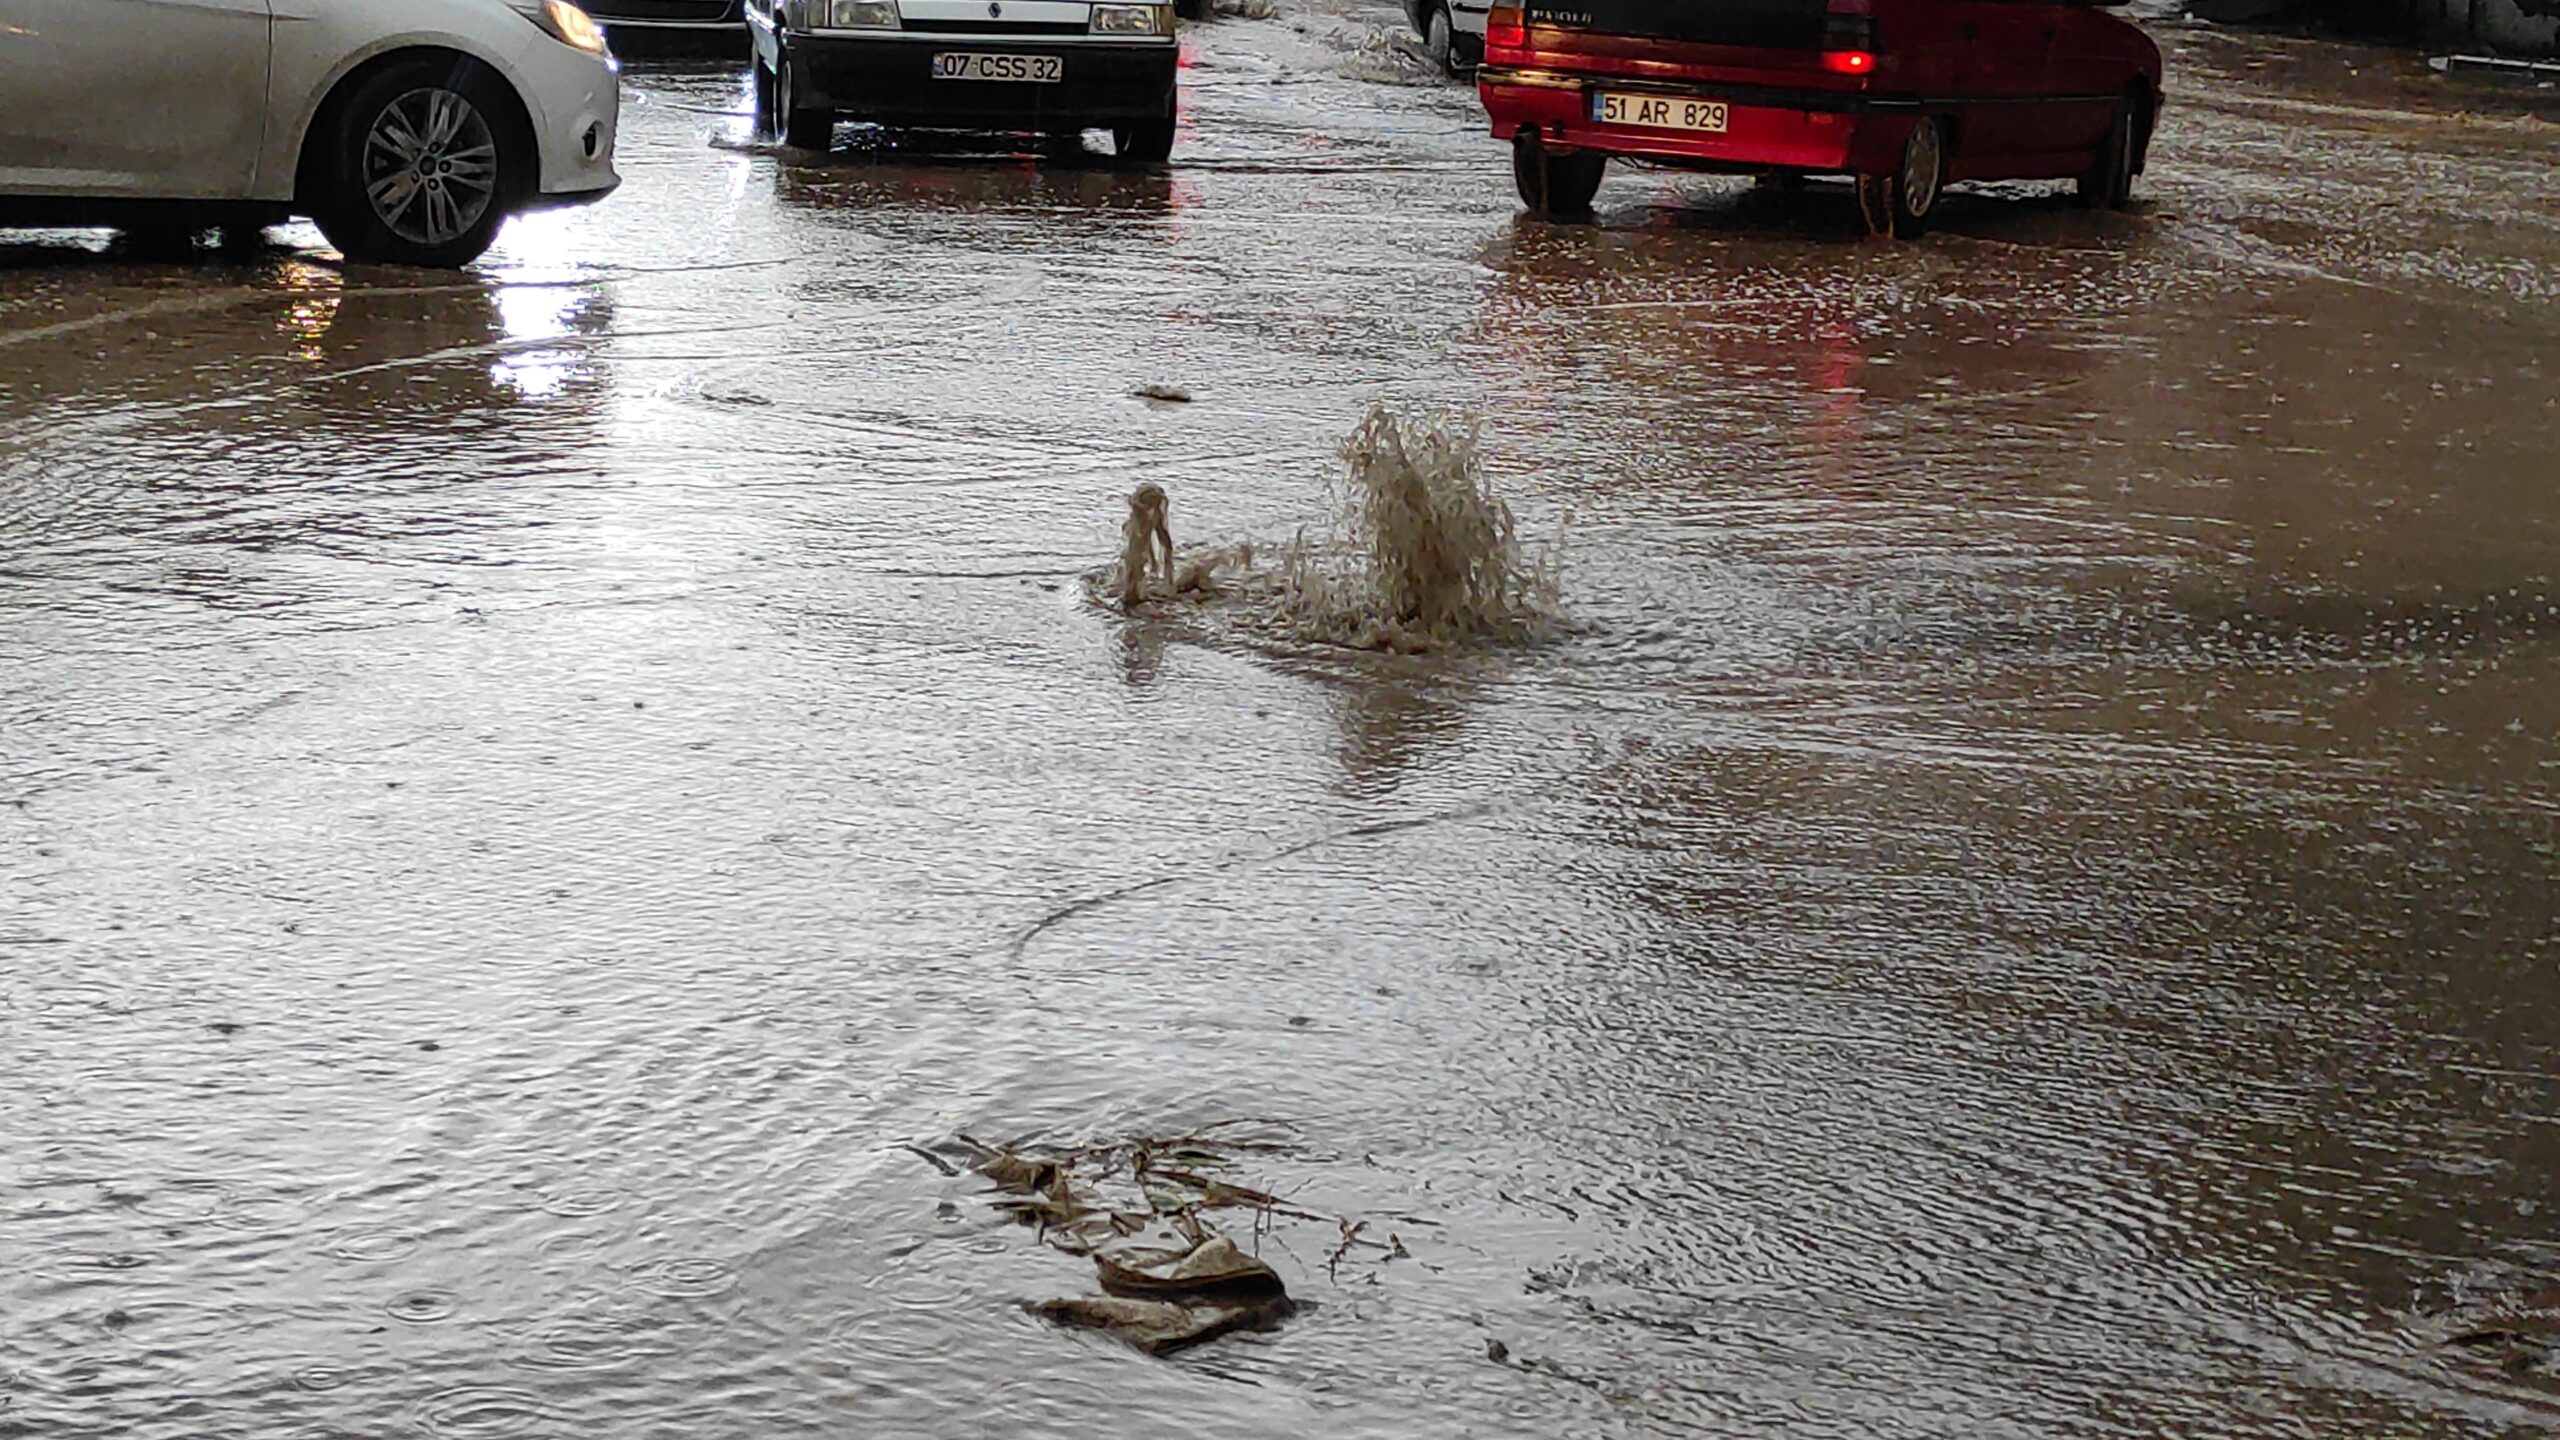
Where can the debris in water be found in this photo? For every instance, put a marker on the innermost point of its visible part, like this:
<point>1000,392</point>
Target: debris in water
<point>1157,1326</point>
<point>1212,1268</point>
<point>1165,394</point>
<point>1246,9</point>
<point>1136,1209</point>
<point>2519,1334</point>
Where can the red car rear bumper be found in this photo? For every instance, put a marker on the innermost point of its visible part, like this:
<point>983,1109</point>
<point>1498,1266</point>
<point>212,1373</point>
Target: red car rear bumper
<point>1810,132</point>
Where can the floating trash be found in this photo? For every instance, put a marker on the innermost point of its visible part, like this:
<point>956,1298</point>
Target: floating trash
<point>1141,1211</point>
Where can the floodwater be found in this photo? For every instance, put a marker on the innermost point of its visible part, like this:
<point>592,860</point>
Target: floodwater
<point>2022,901</point>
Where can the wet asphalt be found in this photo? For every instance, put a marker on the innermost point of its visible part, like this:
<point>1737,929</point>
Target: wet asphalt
<point>2021,901</point>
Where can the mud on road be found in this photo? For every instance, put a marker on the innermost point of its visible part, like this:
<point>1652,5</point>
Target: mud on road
<point>2020,902</point>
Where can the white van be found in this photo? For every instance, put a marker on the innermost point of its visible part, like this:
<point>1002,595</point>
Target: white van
<point>1058,67</point>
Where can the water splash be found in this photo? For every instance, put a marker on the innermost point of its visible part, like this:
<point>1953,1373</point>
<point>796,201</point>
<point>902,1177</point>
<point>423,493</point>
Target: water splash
<point>1424,554</point>
<point>1419,555</point>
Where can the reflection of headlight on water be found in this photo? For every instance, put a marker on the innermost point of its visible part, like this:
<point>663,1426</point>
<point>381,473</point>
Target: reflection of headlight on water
<point>536,374</point>
<point>527,315</point>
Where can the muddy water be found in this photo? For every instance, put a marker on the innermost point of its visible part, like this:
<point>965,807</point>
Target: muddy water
<point>2023,905</point>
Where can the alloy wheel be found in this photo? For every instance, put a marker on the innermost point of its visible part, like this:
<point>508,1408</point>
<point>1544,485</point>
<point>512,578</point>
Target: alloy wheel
<point>430,166</point>
<point>1923,165</point>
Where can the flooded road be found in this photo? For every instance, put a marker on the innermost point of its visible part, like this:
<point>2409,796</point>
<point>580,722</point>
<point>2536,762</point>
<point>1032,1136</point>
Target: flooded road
<point>2023,902</point>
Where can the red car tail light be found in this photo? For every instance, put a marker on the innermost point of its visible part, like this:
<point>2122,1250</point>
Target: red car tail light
<point>1506,28</point>
<point>1849,37</point>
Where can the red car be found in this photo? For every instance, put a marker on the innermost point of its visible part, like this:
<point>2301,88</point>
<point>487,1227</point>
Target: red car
<point>1905,95</point>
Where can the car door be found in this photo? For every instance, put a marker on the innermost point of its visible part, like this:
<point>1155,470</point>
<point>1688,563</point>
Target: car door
<point>1999,72</point>
<point>132,98</point>
<point>2092,65</point>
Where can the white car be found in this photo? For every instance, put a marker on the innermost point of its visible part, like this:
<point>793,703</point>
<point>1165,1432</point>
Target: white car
<point>408,129</point>
<point>1452,31</point>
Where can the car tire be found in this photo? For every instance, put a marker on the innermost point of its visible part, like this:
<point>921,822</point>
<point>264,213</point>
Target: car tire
<point>1902,203</point>
<point>422,165</point>
<point>767,109</point>
<point>1191,9</point>
<point>2108,185</point>
<point>1439,40</point>
<point>1555,185</point>
<point>798,126</point>
<point>1144,142</point>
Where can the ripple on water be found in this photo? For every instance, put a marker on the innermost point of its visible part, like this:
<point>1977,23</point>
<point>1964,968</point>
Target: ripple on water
<point>475,1410</point>
<point>421,1307</point>
<point>90,1262</point>
<point>571,1244</point>
<point>322,1377</point>
<point>684,1278</point>
<point>583,1344</point>
<point>372,1246</point>
<point>579,1204</point>
<point>176,1199</point>
<point>262,1213</point>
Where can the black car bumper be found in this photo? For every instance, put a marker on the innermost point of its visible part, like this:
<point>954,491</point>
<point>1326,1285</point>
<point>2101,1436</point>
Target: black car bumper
<point>891,82</point>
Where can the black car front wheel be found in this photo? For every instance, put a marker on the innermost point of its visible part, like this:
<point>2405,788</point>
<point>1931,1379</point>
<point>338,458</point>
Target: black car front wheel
<point>767,106</point>
<point>1144,142</point>
<point>799,125</point>
<point>423,165</point>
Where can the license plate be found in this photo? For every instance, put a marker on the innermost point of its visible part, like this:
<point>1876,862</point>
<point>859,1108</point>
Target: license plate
<point>1659,112</point>
<point>1029,69</point>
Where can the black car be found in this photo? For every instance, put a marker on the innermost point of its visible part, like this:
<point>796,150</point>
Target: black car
<point>1055,66</point>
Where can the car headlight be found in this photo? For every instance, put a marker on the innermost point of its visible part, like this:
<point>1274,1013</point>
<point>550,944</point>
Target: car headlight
<point>1131,20</point>
<point>853,14</point>
<point>571,26</point>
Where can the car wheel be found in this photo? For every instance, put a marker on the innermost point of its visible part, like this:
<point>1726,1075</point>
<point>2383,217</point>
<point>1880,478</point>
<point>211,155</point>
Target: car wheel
<point>1144,142</point>
<point>2109,183</point>
<point>1439,41</point>
<point>1902,203</point>
<point>1468,51</point>
<point>425,163</point>
<point>1191,9</point>
<point>801,128</point>
<point>1559,185</point>
<point>767,109</point>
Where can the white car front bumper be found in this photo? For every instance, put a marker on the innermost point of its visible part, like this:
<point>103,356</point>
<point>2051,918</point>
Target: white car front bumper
<point>575,101</point>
